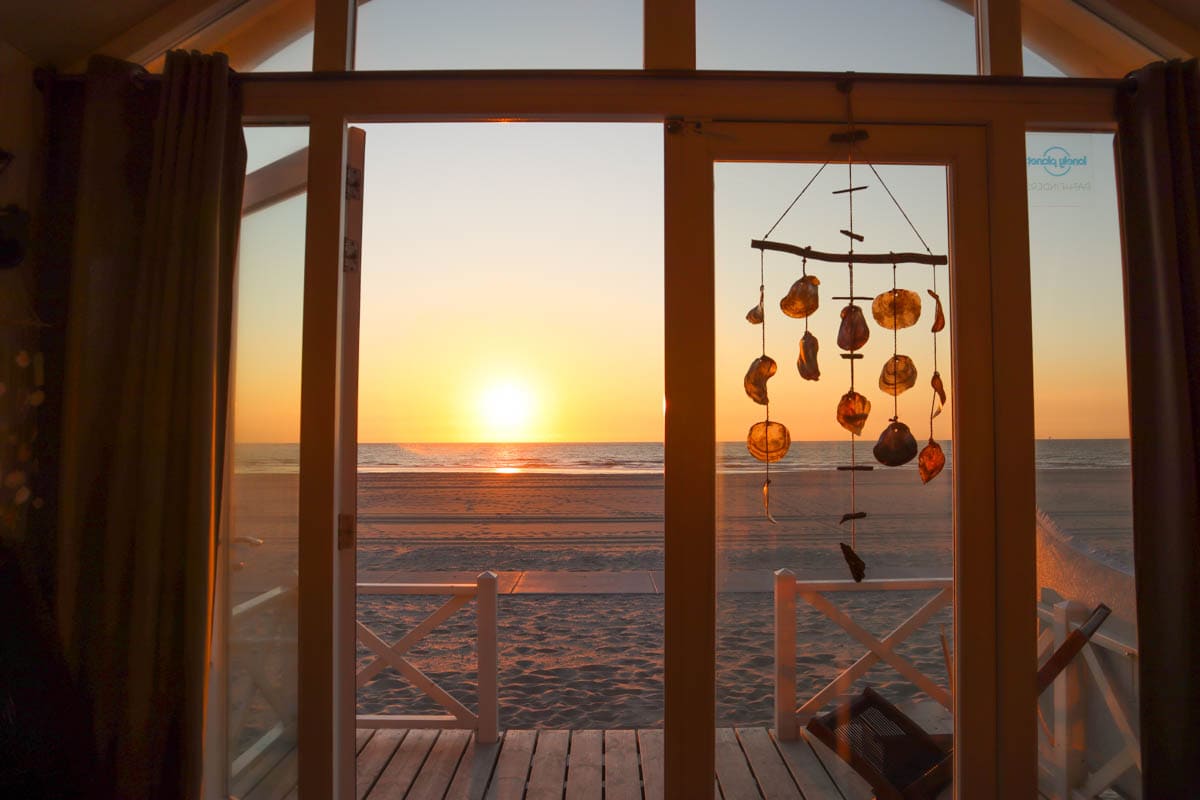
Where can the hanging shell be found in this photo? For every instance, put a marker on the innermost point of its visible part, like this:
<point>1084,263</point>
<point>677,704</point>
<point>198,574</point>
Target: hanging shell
<point>854,332</point>
<point>896,308</point>
<point>939,318</point>
<point>768,441</point>
<point>931,461</point>
<point>940,391</point>
<point>899,374</point>
<point>852,412</point>
<point>760,370</point>
<point>807,360</point>
<point>766,498</point>
<point>858,567</point>
<point>801,300</point>
<point>755,315</point>
<point>896,445</point>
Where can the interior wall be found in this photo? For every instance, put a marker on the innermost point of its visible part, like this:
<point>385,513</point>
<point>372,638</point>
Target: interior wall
<point>16,136</point>
<point>18,114</point>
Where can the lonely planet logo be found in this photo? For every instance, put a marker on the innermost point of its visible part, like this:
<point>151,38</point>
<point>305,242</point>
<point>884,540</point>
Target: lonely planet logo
<point>1056,161</point>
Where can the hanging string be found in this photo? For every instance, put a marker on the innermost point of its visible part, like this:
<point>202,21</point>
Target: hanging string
<point>850,268</point>
<point>899,207</point>
<point>767,235</point>
<point>762,289</point>
<point>895,347</point>
<point>804,274</point>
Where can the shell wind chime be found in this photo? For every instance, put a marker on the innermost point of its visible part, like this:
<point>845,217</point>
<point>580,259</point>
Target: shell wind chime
<point>893,310</point>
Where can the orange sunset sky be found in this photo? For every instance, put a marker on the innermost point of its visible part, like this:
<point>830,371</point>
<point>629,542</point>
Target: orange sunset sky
<point>513,274</point>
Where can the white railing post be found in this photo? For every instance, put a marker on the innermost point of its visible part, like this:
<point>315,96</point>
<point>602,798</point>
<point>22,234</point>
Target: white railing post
<point>485,608</point>
<point>1070,766</point>
<point>786,727</point>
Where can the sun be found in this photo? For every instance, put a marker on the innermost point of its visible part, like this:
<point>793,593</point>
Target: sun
<point>506,411</point>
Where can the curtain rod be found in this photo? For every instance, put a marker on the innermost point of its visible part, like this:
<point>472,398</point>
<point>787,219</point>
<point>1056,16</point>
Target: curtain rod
<point>43,77</point>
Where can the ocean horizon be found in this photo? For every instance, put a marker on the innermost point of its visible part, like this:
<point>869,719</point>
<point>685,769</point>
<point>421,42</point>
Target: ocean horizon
<point>638,457</point>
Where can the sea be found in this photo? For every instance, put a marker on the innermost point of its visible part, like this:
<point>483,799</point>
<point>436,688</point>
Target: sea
<point>641,457</point>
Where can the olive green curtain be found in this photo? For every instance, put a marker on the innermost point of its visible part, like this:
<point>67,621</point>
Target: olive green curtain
<point>1159,150</point>
<point>145,410</point>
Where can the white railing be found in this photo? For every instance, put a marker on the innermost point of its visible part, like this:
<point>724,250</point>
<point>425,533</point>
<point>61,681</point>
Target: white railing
<point>486,722</point>
<point>789,717</point>
<point>249,643</point>
<point>1073,740</point>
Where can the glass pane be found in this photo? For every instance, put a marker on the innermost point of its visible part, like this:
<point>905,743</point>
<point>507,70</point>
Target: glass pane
<point>262,547</point>
<point>907,529</point>
<point>510,418</point>
<point>1085,522</point>
<point>516,34</point>
<point>924,36</point>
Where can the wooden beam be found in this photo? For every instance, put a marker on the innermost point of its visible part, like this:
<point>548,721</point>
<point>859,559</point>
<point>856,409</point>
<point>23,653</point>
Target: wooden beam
<point>638,96</point>
<point>166,28</point>
<point>1150,24</point>
<point>320,379</point>
<point>690,640</point>
<point>283,178</point>
<point>669,34</point>
<point>1078,42</point>
<point>333,39</point>
<point>998,37</point>
<point>1015,543</point>
<point>253,33</point>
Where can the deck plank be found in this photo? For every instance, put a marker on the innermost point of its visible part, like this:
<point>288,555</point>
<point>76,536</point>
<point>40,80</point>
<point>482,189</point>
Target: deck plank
<point>398,776</point>
<point>733,773</point>
<point>772,776</point>
<point>474,771</point>
<point>650,747</point>
<point>806,769</point>
<point>548,770</point>
<point>585,766</point>
<point>375,755</point>
<point>276,784</point>
<point>851,784</point>
<point>622,780</point>
<point>434,778</point>
<point>512,767</point>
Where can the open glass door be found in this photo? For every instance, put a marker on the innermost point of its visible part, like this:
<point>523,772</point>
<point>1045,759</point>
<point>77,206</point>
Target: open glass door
<point>798,630</point>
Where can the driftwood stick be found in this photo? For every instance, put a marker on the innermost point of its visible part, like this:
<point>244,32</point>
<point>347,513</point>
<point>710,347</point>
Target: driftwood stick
<point>846,258</point>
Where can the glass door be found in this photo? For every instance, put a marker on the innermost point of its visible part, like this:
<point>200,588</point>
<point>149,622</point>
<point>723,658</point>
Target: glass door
<point>839,505</point>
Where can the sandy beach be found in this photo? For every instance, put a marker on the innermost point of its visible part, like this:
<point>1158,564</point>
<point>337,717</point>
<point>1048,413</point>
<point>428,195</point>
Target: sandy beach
<point>595,660</point>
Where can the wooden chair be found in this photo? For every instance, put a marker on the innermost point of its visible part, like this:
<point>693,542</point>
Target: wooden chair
<point>894,754</point>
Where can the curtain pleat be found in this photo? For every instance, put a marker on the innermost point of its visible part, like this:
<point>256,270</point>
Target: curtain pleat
<point>149,352</point>
<point>1159,151</point>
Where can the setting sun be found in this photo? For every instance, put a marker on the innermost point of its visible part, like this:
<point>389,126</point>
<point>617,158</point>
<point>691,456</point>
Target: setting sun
<point>506,411</point>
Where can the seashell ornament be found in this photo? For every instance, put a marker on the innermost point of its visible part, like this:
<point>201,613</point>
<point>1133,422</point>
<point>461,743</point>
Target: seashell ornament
<point>761,369</point>
<point>852,412</point>
<point>940,390</point>
<point>930,461</point>
<point>898,375</point>
<point>896,445</point>
<point>853,333</point>
<point>858,567</point>
<point>896,308</point>
<point>801,300</point>
<point>768,441</point>
<point>939,318</point>
<point>807,360</point>
<point>755,315</point>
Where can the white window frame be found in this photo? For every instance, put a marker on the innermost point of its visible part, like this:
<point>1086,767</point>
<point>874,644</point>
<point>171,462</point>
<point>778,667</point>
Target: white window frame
<point>1002,761</point>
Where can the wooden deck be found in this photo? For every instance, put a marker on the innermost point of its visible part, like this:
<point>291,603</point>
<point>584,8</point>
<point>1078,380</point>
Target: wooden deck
<point>570,765</point>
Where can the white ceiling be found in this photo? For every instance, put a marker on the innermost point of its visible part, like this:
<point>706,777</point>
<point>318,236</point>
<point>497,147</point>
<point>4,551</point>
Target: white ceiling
<point>62,32</point>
